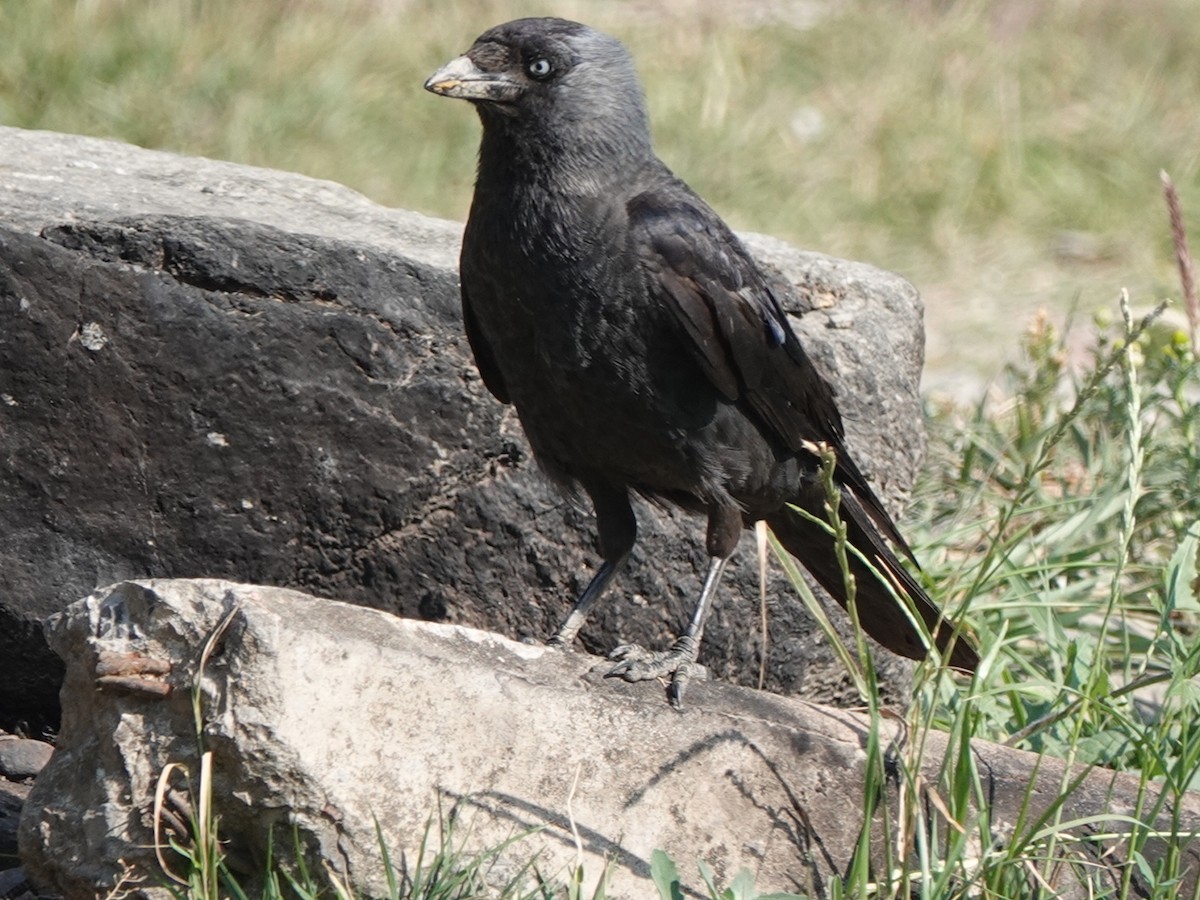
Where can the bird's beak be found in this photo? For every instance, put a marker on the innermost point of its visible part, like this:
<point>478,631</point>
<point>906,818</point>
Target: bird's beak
<point>462,79</point>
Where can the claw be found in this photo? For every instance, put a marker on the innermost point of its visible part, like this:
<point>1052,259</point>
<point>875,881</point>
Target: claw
<point>685,674</point>
<point>631,652</point>
<point>679,664</point>
<point>635,663</point>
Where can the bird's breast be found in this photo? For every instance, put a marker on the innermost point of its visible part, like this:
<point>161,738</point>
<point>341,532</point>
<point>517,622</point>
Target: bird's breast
<point>596,366</point>
<point>555,280</point>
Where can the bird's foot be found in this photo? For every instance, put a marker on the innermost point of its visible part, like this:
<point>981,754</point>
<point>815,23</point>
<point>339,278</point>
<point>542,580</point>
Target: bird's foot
<point>679,664</point>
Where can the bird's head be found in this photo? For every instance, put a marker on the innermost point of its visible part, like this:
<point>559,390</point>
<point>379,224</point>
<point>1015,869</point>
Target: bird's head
<point>561,80</point>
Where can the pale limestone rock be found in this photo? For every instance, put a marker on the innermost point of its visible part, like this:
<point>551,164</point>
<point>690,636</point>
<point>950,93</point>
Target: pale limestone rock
<point>328,717</point>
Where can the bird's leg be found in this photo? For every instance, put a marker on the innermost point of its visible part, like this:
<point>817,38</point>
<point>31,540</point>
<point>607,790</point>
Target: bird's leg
<point>637,664</point>
<point>617,527</point>
<point>596,587</point>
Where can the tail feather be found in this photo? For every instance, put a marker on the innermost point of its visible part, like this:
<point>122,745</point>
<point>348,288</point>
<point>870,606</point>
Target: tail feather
<point>878,611</point>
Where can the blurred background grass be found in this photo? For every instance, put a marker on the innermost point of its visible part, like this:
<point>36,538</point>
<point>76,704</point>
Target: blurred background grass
<point>1004,156</point>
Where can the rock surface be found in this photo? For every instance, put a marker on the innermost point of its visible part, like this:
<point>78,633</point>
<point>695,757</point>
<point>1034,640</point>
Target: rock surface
<point>216,370</point>
<point>325,718</point>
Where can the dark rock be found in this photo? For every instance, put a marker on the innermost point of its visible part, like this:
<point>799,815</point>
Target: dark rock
<point>12,882</point>
<point>12,799</point>
<point>214,370</point>
<point>23,758</point>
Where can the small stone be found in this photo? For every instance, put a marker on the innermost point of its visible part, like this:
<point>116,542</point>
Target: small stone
<point>23,758</point>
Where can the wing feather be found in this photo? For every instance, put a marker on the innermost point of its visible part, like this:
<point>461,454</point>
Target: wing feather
<point>738,332</point>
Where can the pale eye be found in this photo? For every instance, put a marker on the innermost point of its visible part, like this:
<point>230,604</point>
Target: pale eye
<point>539,68</point>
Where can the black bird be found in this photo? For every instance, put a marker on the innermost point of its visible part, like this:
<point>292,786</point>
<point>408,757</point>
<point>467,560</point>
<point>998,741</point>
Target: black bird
<point>639,342</point>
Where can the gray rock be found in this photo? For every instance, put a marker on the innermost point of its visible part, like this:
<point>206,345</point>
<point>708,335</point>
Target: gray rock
<point>327,718</point>
<point>217,370</point>
<point>23,758</point>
